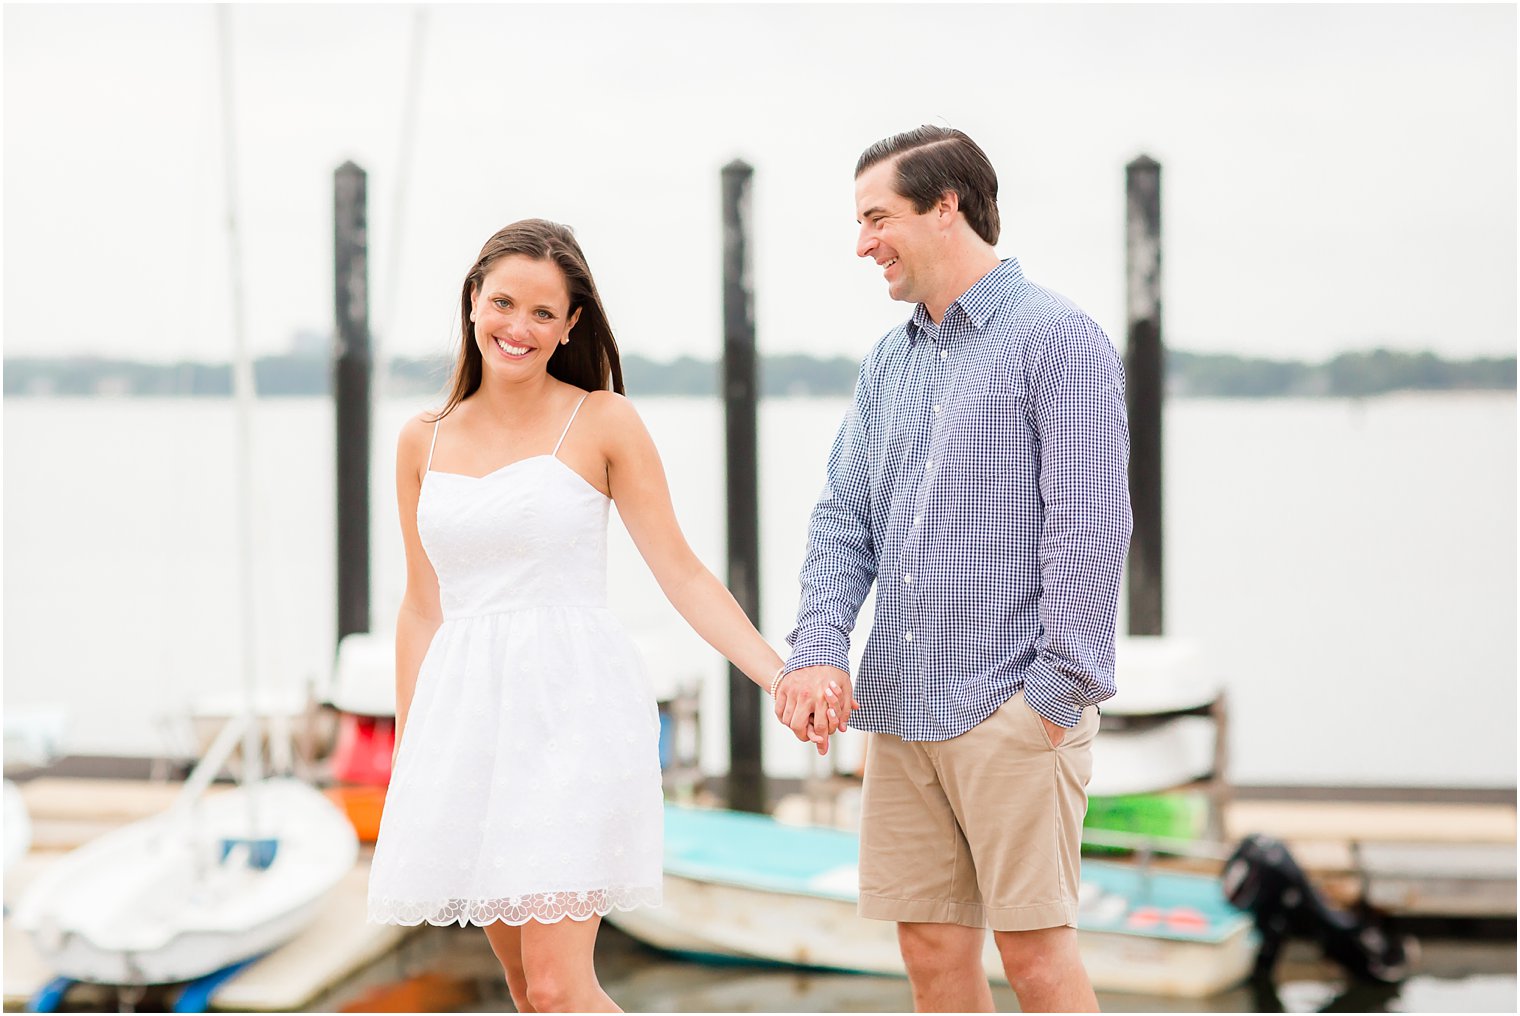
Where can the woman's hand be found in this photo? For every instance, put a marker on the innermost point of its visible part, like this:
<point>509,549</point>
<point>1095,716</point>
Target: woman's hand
<point>815,703</point>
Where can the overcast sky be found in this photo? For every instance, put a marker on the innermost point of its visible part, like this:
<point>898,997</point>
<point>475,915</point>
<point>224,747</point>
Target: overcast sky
<point>1334,177</point>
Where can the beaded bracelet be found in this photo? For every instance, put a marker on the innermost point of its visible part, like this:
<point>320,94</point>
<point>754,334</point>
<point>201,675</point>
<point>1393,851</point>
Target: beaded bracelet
<point>776,681</point>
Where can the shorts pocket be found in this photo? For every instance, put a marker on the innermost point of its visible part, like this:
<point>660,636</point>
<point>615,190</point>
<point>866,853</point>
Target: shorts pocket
<point>1043,733</point>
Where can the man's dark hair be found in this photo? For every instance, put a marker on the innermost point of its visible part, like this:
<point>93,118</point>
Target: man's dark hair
<point>932,160</point>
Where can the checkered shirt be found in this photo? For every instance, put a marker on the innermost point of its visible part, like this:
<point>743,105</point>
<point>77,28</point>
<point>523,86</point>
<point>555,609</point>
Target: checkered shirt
<point>980,480</point>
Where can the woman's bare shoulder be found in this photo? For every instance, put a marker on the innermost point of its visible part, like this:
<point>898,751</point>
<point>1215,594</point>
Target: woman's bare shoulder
<point>619,428</point>
<point>613,414</point>
<point>416,434</point>
<point>610,407</point>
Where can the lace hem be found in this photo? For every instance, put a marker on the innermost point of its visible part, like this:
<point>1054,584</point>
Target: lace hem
<point>546,908</point>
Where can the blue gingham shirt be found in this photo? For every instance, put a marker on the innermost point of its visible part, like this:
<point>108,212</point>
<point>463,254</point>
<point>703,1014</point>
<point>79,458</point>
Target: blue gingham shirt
<point>980,480</point>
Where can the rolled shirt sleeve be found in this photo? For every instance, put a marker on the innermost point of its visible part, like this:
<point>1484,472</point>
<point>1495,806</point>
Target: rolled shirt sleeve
<point>1077,395</point>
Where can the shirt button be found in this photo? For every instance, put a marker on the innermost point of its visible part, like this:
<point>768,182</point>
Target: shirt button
<point>908,579</point>
<point>917,519</point>
<point>929,465</point>
<point>943,353</point>
<point>936,410</point>
<point>908,637</point>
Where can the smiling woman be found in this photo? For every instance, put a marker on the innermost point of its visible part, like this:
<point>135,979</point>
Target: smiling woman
<point>526,787</point>
<point>543,261</point>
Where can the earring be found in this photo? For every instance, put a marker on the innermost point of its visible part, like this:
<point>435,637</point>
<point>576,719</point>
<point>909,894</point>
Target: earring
<point>565,341</point>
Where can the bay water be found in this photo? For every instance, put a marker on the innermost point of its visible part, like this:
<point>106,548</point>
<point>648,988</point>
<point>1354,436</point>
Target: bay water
<point>1347,567</point>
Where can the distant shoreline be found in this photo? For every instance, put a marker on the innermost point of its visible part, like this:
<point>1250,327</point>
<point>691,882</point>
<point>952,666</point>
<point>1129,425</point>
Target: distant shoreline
<point>1189,375</point>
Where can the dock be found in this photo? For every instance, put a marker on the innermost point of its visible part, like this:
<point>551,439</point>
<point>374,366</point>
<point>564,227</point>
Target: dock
<point>1416,857</point>
<point>1406,859</point>
<point>1422,859</point>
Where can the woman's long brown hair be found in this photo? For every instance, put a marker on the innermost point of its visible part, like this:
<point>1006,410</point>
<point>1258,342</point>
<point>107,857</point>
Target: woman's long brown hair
<point>590,360</point>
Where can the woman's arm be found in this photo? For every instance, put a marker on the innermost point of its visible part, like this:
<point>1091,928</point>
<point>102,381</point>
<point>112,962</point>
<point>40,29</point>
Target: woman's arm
<point>637,481</point>
<point>421,612</point>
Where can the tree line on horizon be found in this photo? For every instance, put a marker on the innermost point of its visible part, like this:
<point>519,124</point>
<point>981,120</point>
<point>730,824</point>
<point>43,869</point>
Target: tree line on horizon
<point>1189,375</point>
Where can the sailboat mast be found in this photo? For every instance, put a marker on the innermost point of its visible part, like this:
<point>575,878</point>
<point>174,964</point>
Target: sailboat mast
<point>243,400</point>
<point>384,331</point>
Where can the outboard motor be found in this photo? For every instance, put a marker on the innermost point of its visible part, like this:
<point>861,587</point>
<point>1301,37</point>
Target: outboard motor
<point>1262,877</point>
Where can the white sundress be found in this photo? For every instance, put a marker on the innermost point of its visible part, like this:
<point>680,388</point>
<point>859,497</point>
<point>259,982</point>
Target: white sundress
<point>527,786</point>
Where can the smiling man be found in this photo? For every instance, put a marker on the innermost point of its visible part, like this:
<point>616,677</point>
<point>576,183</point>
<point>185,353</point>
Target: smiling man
<point>979,480</point>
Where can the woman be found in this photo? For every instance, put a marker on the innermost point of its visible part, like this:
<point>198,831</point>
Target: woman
<point>527,782</point>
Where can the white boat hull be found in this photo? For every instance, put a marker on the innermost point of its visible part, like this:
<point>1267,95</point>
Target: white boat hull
<point>1157,674</point>
<point>183,958</point>
<point>710,919</point>
<point>748,887</point>
<point>1171,754</point>
<point>154,903</point>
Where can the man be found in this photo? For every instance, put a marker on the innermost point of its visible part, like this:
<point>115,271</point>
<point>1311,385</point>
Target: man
<point>979,480</point>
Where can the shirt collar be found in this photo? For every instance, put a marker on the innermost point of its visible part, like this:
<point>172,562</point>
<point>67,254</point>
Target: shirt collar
<point>977,303</point>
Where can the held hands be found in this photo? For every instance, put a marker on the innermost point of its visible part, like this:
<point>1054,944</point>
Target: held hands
<point>815,702</point>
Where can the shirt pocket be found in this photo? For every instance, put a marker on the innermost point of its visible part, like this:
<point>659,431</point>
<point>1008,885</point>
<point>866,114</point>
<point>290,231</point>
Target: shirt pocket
<point>985,432</point>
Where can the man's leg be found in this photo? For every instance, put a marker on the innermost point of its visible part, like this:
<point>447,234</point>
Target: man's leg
<point>916,870</point>
<point>1021,800</point>
<point>944,964</point>
<point>1045,970</point>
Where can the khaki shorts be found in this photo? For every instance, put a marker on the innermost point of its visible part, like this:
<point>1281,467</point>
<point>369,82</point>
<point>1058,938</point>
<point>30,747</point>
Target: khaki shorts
<point>982,829</point>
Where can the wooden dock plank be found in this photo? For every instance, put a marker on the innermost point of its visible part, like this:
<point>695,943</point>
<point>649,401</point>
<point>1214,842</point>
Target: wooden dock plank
<point>106,801</point>
<point>1473,880</point>
<point>333,947</point>
<point>1361,822</point>
<point>1474,861</point>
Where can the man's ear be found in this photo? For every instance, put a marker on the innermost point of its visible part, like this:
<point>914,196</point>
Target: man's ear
<point>949,203</point>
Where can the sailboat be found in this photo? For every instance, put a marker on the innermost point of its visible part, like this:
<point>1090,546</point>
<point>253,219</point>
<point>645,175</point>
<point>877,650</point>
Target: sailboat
<point>218,879</point>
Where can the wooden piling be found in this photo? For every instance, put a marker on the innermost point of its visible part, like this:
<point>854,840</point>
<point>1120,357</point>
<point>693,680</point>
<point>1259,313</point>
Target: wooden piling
<point>351,394</point>
<point>746,780</point>
<point>1144,366</point>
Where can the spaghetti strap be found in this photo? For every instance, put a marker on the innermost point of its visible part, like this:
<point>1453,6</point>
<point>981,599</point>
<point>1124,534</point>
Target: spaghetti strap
<point>429,465</point>
<point>568,422</point>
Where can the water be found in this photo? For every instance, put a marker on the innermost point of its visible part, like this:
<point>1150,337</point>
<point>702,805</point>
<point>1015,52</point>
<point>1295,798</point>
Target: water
<point>1349,567</point>
<point>452,969</point>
